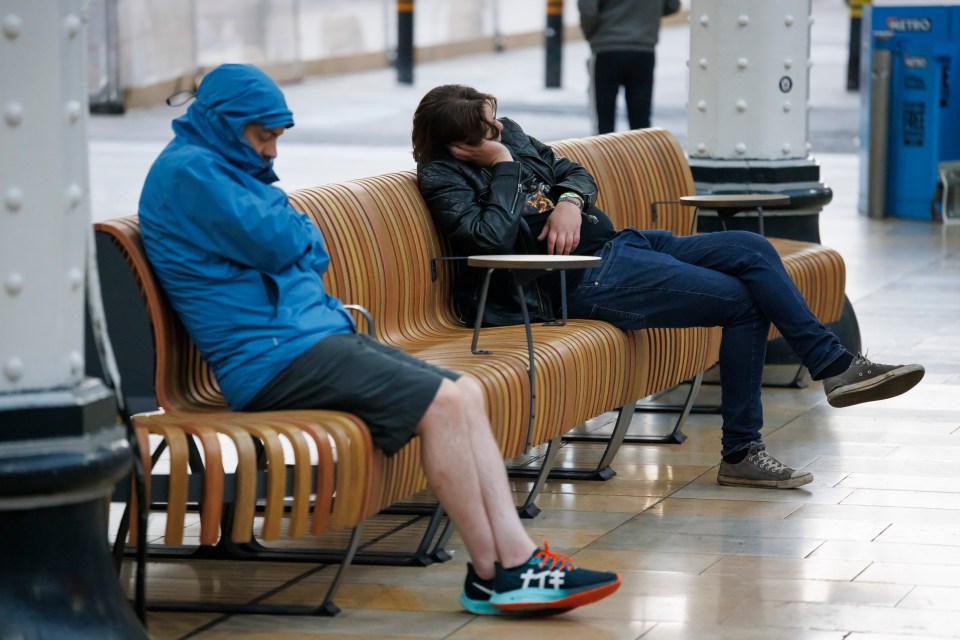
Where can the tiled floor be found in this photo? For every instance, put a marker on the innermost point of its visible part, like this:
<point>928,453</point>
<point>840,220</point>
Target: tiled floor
<point>869,551</point>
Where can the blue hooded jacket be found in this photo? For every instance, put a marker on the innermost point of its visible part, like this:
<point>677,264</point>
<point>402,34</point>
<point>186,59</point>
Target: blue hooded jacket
<point>240,266</point>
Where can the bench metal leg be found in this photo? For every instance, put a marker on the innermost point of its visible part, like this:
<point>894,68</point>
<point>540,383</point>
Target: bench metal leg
<point>327,608</point>
<point>603,470</point>
<point>423,551</point>
<point>439,552</point>
<point>654,407</point>
<point>676,436</point>
<point>528,509</point>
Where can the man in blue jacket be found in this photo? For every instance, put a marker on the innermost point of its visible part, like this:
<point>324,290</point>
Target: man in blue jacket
<point>243,271</point>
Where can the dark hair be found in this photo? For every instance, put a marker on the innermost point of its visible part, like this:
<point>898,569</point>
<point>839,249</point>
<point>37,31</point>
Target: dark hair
<point>447,114</point>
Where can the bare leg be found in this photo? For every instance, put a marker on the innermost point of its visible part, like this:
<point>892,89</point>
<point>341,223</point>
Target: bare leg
<point>514,545</point>
<point>466,471</point>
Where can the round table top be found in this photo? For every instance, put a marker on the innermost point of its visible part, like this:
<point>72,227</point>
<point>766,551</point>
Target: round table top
<point>523,261</point>
<point>732,200</point>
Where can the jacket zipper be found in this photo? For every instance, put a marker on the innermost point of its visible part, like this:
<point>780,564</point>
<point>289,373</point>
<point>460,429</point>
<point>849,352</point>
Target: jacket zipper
<point>516,196</point>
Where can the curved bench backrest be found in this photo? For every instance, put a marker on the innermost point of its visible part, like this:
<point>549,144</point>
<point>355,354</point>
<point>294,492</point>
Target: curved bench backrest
<point>634,170</point>
<point>183,381</point>
<point>381,240</point>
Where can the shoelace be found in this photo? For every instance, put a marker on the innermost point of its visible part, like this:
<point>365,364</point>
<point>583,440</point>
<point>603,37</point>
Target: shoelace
<point>545,555</point>
<point>768,462</point>
<point>862,361</point>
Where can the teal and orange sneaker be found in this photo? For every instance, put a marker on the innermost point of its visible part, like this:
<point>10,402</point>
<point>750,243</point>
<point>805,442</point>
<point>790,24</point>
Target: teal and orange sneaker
<point>549,583</point>
<point>475,597</point>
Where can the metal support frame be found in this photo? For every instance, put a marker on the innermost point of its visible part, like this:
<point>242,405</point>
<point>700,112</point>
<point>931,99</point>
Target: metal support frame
<point>602,470</point>
<point>424,555</point>
<point>531,368</point>
<point>60,448</point>
<point>725,214</point>
<point>325,608</point>
<point>528,509</point>
<point>676,435</point>
<point>545,470</point>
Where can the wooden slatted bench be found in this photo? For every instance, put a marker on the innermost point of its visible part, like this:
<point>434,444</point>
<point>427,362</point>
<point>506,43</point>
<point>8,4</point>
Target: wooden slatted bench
<point>383,245</point>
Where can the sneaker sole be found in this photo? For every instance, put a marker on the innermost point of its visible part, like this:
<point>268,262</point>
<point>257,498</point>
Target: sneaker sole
<point>891,384</point>
<point>560,605</point>
<point>791,483</point>
<point>479,607</point>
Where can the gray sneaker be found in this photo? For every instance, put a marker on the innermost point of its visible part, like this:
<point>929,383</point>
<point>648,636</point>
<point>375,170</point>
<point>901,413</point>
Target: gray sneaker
<point>866,381</point>
<point>760,469</point>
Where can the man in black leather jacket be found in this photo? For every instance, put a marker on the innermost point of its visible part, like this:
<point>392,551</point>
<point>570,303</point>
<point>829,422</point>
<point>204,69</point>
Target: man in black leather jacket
<point>492,189</point>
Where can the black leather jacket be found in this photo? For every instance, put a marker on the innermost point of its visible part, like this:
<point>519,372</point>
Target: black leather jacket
<point>477,211</point>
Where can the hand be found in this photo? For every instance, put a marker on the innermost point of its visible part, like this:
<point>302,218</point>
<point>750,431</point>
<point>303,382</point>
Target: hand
<point>485,154</point>
<point>562,230</point>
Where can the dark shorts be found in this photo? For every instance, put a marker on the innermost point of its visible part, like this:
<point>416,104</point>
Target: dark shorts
<point>386,388</point>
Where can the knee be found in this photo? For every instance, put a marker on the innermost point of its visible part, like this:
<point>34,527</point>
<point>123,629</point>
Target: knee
<point>449,398</point>
<point>458,398</point>
<point>472,395</point>
<point>745,307</point>
<point>754,243</point>
<point>454,406</point>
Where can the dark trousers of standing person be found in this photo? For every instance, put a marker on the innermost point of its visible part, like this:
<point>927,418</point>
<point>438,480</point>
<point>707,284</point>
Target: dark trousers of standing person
<point>632,70</point>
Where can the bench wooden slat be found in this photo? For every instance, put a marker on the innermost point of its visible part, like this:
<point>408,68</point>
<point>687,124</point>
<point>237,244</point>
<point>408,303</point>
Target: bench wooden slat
<point>300,508</point>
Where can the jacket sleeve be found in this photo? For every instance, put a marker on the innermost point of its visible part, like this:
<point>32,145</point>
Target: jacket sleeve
<point>250,224</point>
<point>470,225</point>
<point>589,16</point>
<point>569,176</point>
<point>670,7</point>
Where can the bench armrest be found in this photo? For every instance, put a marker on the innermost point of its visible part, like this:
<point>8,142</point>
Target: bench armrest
<point>366,315</point>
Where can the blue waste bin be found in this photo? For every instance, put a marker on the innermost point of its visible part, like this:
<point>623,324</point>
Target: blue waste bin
<point>923,129</point>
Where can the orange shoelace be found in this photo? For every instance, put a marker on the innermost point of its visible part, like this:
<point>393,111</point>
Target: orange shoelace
<point>545,555</point>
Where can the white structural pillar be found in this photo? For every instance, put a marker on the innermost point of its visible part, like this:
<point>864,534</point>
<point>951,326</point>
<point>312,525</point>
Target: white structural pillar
<point>44,202</point>
<point>747,113</point>
<point>60,453</point>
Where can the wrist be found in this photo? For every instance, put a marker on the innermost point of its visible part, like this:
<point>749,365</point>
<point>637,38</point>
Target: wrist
<point>573,198</point>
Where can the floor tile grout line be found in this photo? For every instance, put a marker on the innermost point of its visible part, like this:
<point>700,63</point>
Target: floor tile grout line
<point>298,578</point>
<point>272,592</point>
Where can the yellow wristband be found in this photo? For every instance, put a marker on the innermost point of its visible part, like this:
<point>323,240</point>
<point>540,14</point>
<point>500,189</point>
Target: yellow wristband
<point>571,196</point>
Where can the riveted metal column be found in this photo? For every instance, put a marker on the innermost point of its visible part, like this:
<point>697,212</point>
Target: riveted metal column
<point>747,123</point>
<point>60,454</point>
<point>554,43</point>
<point>405,41</point>
<point>747,114</point>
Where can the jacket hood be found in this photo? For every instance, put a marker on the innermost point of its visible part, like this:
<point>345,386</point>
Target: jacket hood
<point>229,98</point>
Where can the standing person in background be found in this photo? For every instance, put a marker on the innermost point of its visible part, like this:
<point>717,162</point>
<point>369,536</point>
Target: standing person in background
<point>622,36</point>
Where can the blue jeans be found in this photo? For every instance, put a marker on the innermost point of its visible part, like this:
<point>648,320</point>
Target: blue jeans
<point>731,279</point>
